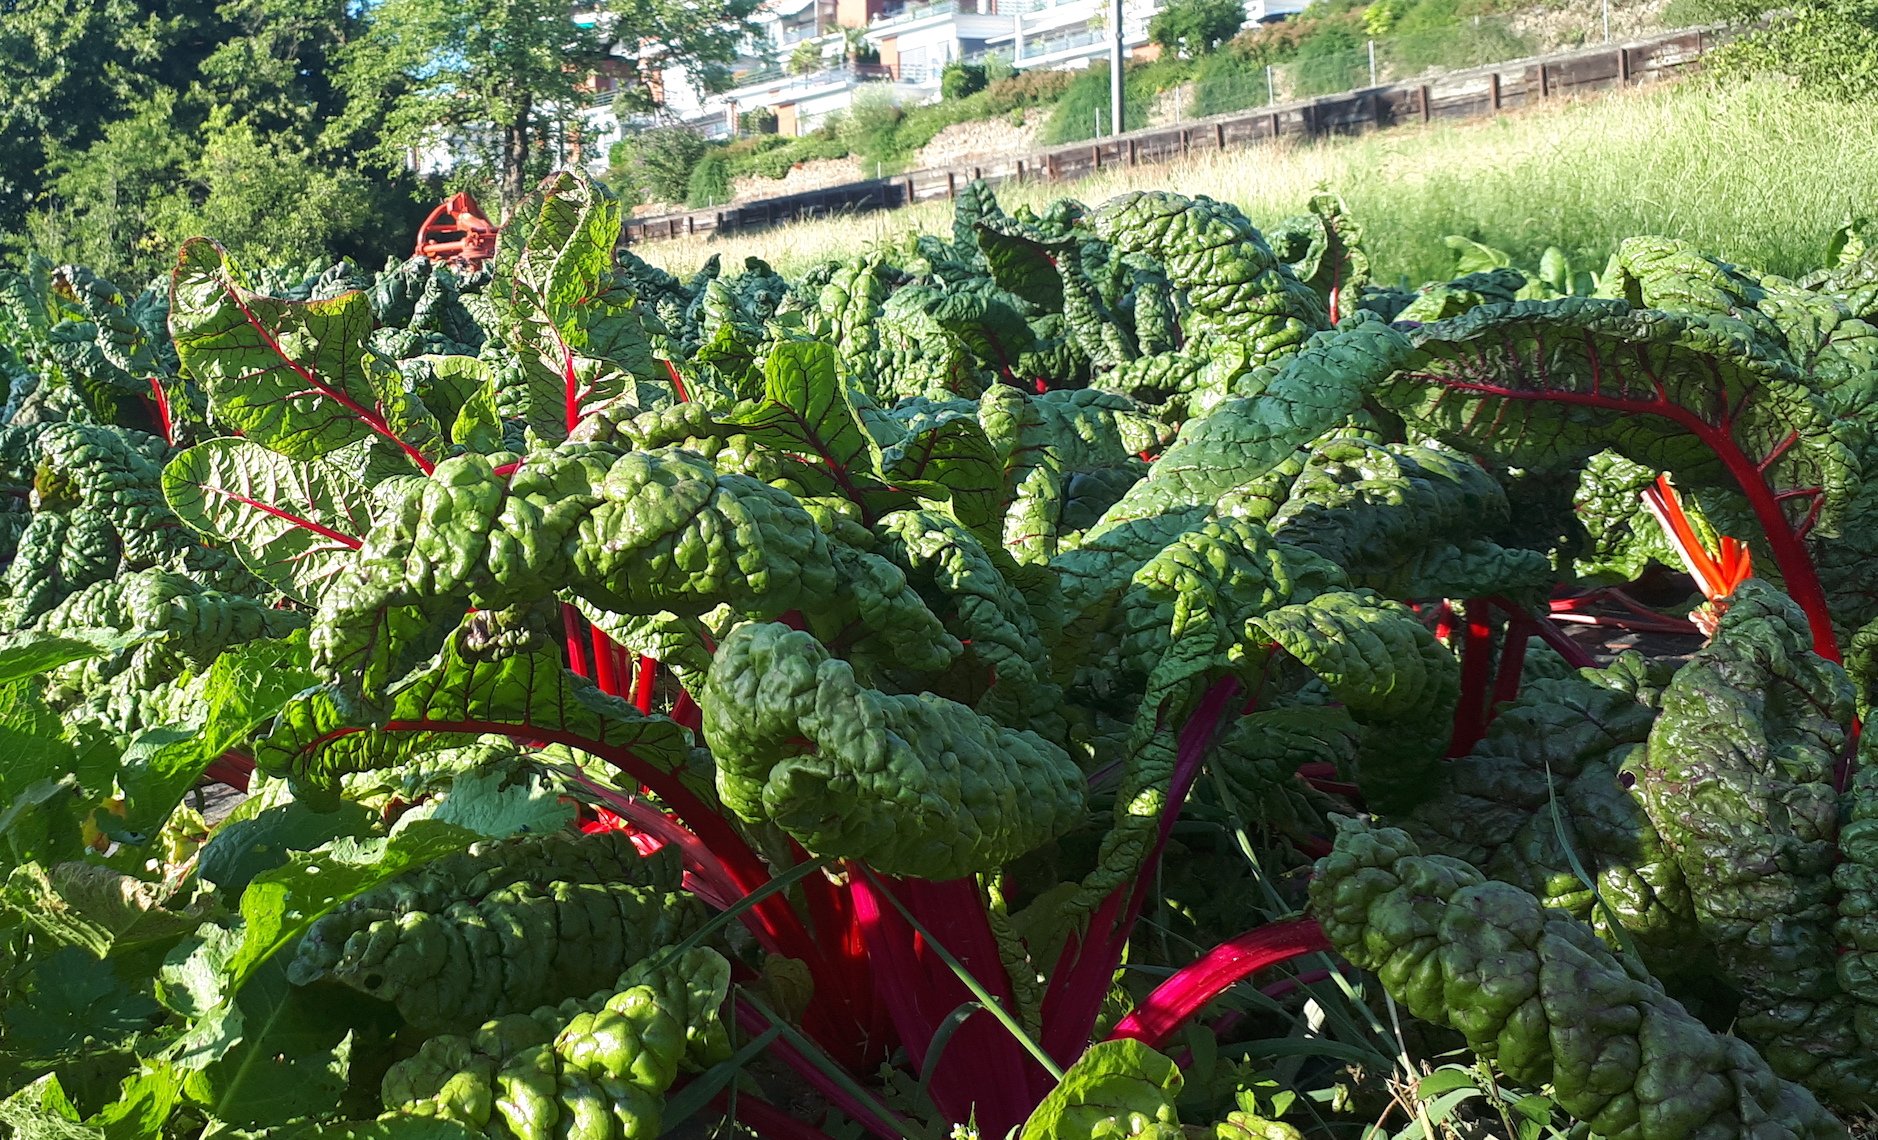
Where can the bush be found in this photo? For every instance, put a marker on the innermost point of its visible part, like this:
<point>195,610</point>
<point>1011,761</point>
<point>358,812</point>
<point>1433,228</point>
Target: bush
<point>1191,28</point>
<point>658,163</point>
<point>959,80</point>
<point>710,182</point>
<point>757,121</point>
<point>806,59</point>
<point>1228,81</point>
<point>1086,101</point>
<point>871,123</point>
<point>1829,46</point>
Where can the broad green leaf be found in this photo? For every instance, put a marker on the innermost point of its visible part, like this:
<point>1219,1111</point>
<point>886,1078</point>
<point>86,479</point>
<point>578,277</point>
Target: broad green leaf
<point>573,322</point>
<point>43,1111</point>
<point>292,523</point>
<point>144,1104</point>
<point>948,456</point>
<point>806,409</point>
<point>462,693</point>
<point>480,802</point>
<point>93,907</point>
<point>288,1056</point>
<point>243,848</point>
<point>1243,438</point>
<point>1548,383</point>
<point>294,376</point>
<point>246,686</point>
<point>29,653</point>
<point>279,905</point>
<point>1116,1089</point>
<point>913,784</point>
<point>71,1002</point>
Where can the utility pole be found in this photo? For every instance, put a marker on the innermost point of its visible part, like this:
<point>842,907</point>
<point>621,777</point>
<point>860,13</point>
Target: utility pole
<point>1115,67</point>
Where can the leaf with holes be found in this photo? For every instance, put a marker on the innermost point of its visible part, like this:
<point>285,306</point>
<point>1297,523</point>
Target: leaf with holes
<point>294,524</point>
<point>294,376</point>
<point>563,310</point>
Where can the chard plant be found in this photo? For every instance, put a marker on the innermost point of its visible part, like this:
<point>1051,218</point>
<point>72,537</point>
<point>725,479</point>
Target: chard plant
<point>631,677</point>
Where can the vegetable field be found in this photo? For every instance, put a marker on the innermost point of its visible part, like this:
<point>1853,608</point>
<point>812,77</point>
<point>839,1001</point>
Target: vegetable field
<point>1105,671</point>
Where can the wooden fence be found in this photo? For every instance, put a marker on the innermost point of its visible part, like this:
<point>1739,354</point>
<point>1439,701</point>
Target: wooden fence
<point>1461,94</point>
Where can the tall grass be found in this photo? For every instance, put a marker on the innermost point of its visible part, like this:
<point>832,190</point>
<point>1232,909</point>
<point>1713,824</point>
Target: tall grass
<point>1756,173</point>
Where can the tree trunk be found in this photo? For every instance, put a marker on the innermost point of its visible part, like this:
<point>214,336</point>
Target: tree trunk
<point>515,142</point>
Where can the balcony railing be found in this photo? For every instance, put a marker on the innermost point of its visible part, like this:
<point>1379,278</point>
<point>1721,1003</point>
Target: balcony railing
<point>910,12</point>
<point>843,72</point>
<point>1033,47</point>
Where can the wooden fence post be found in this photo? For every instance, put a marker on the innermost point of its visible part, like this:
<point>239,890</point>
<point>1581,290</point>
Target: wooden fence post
<point>1134,156</point>
<point>1623,65</point>
<point>952,186</point>
<point>1095,157</point>
<point>1219,135</point>
<point>1277,124</point>
<point>1545,81</point>
<point>1493,91</point>
<point>1428,111</point>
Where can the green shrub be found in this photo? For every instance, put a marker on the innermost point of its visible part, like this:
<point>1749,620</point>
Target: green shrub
<point>1086,100</point>
<point>806,59</point>
<point>958,80</point>
<point>871,123</point>
<point>1829,46</point>
<point>710,182</point>
<point>757,121</point>
<point>658,163</point>
<point>1191,28</point>
<point>1227,81</point>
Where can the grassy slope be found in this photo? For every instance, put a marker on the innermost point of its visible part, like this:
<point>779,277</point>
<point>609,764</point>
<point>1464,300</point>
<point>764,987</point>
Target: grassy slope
<point>1756,173</point>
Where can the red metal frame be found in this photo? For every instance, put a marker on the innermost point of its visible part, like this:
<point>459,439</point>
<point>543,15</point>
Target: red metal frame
<point>459,233</point>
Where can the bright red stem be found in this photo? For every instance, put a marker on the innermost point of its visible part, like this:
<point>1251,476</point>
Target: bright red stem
<point>678,382</point>
<point>1165,1010</point>
<point>603,661</point>
<point>984,1072</point>
<point>576,655</point>
<point>686,713</point>
<point>231,768</point>
<point>1549,632</point>
<point>642,684</point>
<point>163,409</point>
<point>1083,971</point>
<point>1512,662</point>
<point>1470,715</point>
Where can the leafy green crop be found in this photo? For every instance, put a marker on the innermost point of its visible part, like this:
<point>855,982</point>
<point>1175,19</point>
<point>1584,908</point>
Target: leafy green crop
<point>937,672</point>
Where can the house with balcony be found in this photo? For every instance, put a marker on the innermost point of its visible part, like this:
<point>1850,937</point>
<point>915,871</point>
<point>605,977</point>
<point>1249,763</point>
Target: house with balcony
<point>1074,33</point>
<point>917,39</point>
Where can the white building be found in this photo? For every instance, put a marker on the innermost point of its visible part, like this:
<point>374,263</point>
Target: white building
<point>1074,33</point>
<point>912,41</point>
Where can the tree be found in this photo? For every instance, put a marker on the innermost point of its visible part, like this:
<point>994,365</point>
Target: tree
<point>498,83</point>
<point>658,163</point>
<point>1828,46</point>
<point>127,126</point>
<point>957,79</point>
<point>1195,27</point>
